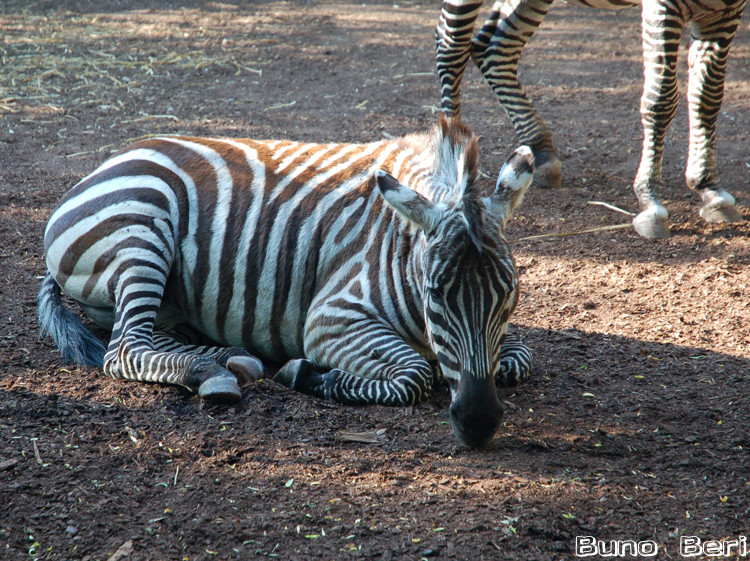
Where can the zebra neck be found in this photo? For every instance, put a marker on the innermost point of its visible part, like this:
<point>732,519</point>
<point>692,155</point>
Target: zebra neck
<point>402,277</point>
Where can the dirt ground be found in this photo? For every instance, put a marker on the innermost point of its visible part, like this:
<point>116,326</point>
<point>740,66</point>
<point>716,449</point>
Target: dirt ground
<point>634,426</point>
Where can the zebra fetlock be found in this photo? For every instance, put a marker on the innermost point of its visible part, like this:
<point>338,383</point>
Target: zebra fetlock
<point>211,381</point>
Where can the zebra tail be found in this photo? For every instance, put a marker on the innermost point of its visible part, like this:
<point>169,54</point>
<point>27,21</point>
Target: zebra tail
<point>76,343</point>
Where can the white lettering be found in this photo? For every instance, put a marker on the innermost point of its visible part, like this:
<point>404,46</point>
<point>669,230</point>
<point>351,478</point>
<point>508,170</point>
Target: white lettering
<point>649,548</point>
<point>693,546</point>
<point>690,546</point>
<point>713,548</point>
<point>587,546</point>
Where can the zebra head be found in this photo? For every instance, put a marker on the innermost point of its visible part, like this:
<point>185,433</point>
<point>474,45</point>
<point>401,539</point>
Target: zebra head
<point>469,285</point>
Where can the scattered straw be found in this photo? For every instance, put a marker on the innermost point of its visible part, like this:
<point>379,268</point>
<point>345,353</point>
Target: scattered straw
<point>611,207</point>
<point>280,105</point>
<point>368,437</point>
<point>150,117</point>
<point>564,234</point>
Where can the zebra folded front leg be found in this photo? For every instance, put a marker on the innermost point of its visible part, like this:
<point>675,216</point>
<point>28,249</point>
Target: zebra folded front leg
<point>407,388</point>
<point>237,360</point>
<point>516,362</point>
<point>302,375</point>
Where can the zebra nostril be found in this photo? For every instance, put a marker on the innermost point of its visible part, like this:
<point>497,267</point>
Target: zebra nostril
<point>475,424</point>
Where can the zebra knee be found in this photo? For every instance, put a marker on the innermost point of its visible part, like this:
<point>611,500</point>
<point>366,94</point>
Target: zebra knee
<point>119,360</point>
<point>516,365</point>
<point>111,365</point>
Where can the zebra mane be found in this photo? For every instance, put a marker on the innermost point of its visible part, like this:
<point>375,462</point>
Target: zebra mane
<point>454,175</point>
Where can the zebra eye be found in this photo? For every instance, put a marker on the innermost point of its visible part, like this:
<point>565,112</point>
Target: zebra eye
<point>435,294</point>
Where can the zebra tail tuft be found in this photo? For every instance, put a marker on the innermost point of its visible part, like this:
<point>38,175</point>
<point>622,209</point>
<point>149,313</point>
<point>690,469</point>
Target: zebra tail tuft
<point>76,343</point>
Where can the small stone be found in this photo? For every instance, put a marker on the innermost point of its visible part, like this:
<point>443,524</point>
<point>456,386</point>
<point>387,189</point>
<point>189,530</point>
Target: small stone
<point>72,530</point>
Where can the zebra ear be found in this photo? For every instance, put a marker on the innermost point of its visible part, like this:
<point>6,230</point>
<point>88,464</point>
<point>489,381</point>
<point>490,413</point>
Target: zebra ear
<point>408,203</point>
<point>514,179</point>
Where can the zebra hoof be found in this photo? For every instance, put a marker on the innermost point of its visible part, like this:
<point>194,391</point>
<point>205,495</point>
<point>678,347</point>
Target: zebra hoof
<point>719,207</point>
<point>222,388</point>
<point>720,215</point>
<point>302,376</point>
<point>547,170</point>
<point>246,368</point>
<point>289,374</point>
<point>652,223</point>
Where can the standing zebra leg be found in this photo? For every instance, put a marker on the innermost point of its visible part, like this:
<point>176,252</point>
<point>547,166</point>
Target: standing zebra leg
<point>662,28</point>
<point>515,362</point>
<point>371,365</point>
<point>711,38</point>
<point>496,50</point>
<point>453,44</point>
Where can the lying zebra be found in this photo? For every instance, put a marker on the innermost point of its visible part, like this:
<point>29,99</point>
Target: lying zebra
<point>357,264</point>
<point>498,45</point>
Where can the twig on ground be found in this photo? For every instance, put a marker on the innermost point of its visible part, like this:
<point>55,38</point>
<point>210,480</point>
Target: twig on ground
<point>563,234</point>
<point>36,453</point>
<point>7,464</point>
<point>124,551</point>
<point>368,437</point>
<point>611,207</point>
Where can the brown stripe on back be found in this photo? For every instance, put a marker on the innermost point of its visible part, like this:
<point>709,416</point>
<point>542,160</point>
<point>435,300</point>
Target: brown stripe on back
<point>358,163</point>
<point>103,229</point>
<point>241,200</point>
<point>106,258</point>
<point>204,177</point>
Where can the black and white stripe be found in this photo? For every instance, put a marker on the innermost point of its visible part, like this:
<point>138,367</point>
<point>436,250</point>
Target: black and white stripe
<point>357,265</point>
<point>497,47</point>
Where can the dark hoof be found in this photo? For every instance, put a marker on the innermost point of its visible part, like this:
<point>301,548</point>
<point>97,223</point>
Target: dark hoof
<point>652,223</point>
<point>548,175</point>
<point>547,169</point>
<point>289,374</point>
<point>222,388</point>
<point>246,368</point>
<point>302,376</point>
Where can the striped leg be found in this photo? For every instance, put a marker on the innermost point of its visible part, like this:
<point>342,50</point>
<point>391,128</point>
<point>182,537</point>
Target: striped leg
<point>711,39</point>
<point>515,362</point>
<point>133,352</point>
<point>237,360</point>
<point>453,44</point>
<point>496,51</point>
<point>662,28</point>
<point>372,365</point>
